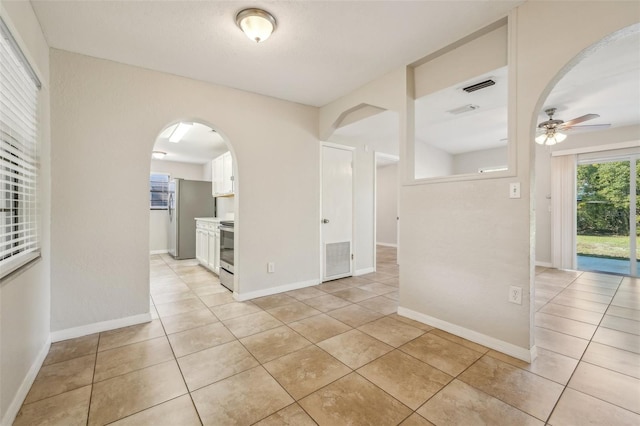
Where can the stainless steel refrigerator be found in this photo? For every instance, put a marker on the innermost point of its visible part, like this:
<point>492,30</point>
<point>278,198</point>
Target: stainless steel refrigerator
<point>188,199</point>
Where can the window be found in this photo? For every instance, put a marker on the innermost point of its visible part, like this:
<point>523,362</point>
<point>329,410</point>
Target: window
<point>19,239</point>
<point>159,193</point>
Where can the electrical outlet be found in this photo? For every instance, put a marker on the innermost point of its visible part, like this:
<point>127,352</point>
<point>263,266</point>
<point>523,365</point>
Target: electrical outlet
<point>271,267</point>
<point>515,295</point>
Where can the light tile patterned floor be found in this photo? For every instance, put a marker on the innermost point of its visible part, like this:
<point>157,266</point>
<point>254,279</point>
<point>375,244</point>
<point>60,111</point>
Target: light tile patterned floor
<point>337,354</point>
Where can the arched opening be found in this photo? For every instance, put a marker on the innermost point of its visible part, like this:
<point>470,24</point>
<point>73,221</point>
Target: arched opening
<point>193,191</point>
<point>597,97</point>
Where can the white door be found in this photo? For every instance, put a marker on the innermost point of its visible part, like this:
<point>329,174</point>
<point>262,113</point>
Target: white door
<point>337,212</point>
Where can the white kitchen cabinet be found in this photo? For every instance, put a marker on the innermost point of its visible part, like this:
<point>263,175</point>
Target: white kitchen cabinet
<point>222,175</point>
<point>208,243</point>
<point>213,261</point>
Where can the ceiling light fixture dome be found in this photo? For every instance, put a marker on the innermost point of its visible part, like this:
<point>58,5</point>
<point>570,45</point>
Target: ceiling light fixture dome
<point>551,137</point>
<point>257,24</point>
<point>158,155</point>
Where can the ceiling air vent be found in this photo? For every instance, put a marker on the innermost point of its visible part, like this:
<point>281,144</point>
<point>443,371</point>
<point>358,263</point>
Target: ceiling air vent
<point>479,86</point>
<point>462,109</point>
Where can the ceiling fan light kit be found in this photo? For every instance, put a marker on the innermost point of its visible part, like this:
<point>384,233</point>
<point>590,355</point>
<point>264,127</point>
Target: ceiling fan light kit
<point>552,130</point>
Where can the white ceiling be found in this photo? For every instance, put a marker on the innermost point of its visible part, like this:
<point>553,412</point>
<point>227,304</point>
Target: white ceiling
<point>199,145</point>
<point>321,50</point>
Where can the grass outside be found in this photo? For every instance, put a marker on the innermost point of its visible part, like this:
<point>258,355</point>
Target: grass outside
<point>616,247</point>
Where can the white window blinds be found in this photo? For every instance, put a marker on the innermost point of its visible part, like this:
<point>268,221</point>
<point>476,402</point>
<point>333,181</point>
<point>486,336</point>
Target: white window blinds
<point>19,242</point>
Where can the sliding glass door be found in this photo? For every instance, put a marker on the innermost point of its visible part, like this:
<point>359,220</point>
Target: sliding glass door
<point>606,214</point>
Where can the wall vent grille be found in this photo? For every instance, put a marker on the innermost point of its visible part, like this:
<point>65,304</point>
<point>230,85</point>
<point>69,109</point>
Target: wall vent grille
<point>478,86</point>
<point>337,259</point>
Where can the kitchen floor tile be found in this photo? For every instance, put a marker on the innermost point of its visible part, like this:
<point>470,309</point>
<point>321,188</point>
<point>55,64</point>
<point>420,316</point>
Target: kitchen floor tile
<point>461,404</point>
<point>333,286</point>
<point>621,324</point>
<point>610,386</point>
<point>405,378</point>
<point>173,297</point>
<point>618,339</point>
<point>354,315</point>
<point>54,379</point>
<point>618,311</point>
<point>526,391</point>
<point>354,348</point>
<point>561,343</point>
<point>459,340</point>
<point>125,359</point>
<point>440,353</point>
<point>251,324</point>
<point>72,348</point>
<point>306,293</point>
<point>380,304</point>
<point>124,395</point>
<point>293,312</point>
<point>188,320</point>
<point>548,364</point>
<point>574,328</point>
<point>326,303</point>
<point>577,408</point>
<point>66,409</point>
<point>615,359</point>
<point>292,415</point>
<point>354,294</point>
<point>274,343</point>
<point>414,323</point>
<point>319,327</point>
<point>179,307</point>
<point>391,331</point>
<point>305,371</point>
<point>234,310</point>
<point>217,299</point>
<point>211,365</point>
<point>242,399</point>
<point>127,335</point>
<point>178,411</point>
<point>349,401</point>
<point>197,339</point>
<point>377,288</point>
<point>274,301</point>
<point>416,420</point>
<point>573,313</point>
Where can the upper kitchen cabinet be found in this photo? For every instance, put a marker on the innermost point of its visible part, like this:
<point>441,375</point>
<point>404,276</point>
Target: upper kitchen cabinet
<point>222,178</point>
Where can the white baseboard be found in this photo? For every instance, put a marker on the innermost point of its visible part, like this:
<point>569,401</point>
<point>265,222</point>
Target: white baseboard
<point>387,245</point>
<point>363,271</point>
<point>23,390</point>
<point>523,354</point>
<point>97,327</point>
<point>242,297</point>
<point>544,264</point>
<point>158,252</point>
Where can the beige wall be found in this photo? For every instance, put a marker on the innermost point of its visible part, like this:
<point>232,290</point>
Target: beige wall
<point>100,266</point>
<point>387,204</point>
<point>25,296</point>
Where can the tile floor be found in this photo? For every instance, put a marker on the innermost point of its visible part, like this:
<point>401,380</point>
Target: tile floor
<point>337,354</point>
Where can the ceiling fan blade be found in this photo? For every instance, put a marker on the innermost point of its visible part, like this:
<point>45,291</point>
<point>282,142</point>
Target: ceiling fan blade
<point>580,119</point>
<point>587,127</point>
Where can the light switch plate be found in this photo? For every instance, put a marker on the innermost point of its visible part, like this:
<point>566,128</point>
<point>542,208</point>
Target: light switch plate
<point>514,190</point>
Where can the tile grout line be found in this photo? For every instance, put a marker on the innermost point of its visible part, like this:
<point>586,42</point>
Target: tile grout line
<point>93,377</point>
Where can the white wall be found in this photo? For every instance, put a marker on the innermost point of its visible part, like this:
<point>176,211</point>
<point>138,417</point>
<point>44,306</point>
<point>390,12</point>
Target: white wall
<point>159,219</point>
<point>25,295</point>
<point>387,204</point>
<point>431,161</point>
<point>471,162</point>
<point>100,273</point>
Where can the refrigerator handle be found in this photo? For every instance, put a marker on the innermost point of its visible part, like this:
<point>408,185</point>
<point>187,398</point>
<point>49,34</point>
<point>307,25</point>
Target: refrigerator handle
<point>170,206</point>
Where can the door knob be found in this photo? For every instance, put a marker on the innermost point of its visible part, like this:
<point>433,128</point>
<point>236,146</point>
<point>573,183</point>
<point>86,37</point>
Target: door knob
<point>325,220</point>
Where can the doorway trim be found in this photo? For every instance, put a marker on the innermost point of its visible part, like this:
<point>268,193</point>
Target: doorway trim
<point>378,155</point>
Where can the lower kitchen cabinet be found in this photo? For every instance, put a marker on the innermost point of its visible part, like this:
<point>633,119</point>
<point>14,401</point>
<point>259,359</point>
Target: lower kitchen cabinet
<point>208,243</point>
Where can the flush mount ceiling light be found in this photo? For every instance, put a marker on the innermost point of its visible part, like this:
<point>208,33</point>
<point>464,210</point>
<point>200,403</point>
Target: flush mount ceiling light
<point>179,132</point>
<point>158,155</point>
<point>257,24</point>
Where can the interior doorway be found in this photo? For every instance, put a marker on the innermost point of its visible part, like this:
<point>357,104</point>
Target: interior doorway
<point>607,214</point>
<point>386,203</point>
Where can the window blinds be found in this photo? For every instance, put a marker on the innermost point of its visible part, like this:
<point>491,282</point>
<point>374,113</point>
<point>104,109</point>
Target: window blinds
<point>19,242</point>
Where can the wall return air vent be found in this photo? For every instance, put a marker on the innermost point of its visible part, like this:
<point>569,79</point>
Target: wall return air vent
<point>478,86</point>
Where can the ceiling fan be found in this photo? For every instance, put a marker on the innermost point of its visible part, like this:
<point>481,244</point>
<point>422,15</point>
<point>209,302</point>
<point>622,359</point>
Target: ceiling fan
<point>550,132</point>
